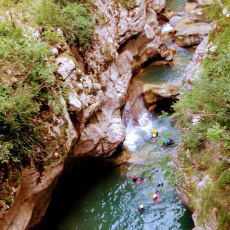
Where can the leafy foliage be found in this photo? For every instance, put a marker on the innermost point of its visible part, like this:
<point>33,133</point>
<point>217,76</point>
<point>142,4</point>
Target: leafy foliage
<point>48,13</point>
<point>25,87</point>
<point>126,3</point>
<point>78,24</point>
<point>73,17</point>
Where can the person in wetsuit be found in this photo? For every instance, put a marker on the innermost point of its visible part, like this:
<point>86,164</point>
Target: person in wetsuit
<point>139,180</point>
<point>156,195</point>
<point>154,133</point>
<point>141,209</point>
<point>168,142</point>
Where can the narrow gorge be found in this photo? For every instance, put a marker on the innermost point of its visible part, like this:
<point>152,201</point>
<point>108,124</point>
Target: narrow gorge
<point>98,100</point>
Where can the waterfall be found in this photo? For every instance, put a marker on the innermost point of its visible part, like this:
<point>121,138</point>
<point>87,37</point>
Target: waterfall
<point>137,132</point>
<point>140,122</point>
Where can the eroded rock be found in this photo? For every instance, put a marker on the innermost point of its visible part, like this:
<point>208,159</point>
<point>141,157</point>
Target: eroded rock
<point>157,5</point>
<point>152,92</point>
<point>189,33</point>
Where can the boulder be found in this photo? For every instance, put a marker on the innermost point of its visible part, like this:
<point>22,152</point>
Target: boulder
<point>152,93</point>
<point>204,2</point>
<point>189,33</point>
<point>194,69</point>
<point>66,65</point>
<point>166,14</point>
<point>156,5</point>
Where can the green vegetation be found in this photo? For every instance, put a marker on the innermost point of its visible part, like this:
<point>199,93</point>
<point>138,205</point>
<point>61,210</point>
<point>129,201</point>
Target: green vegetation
<point>78,24</point>
<point>74,18</point>
<point>208,139</point>
<point>26,85</point>
<point>126,3</point>
<point>30,93</point>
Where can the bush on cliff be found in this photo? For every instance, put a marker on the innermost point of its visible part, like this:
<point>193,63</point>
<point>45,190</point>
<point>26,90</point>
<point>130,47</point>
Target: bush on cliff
<point>25,87</point>
<point>29,91</point>
<point>74,18</point>
<point>126,3</point>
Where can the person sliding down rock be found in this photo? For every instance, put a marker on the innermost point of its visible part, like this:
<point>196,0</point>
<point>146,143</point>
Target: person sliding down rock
<point>156,195</point>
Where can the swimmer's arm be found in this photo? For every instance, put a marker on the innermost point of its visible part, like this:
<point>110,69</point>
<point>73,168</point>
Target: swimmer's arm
<point>158,201</point>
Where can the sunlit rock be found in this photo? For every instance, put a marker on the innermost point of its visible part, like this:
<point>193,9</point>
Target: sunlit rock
<point>153,93</point>
<point>192,34</point>
<point>194,69</point>
<point>66,65</point>
<point>157,5</point>
<point>204,2</point>
<point>74,103</point>
<point>166,14</point>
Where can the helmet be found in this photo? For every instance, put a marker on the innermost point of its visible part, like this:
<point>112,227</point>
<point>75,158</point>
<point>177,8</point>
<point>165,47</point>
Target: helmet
<point>154,196</point>
<point>141,206</point>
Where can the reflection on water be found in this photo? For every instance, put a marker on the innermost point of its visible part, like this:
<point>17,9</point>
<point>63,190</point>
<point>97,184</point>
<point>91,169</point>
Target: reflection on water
<point>154,74</point>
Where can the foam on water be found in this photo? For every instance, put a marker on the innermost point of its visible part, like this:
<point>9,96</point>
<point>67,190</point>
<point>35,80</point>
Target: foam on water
<point>166,27</point>
<point>137,133</point>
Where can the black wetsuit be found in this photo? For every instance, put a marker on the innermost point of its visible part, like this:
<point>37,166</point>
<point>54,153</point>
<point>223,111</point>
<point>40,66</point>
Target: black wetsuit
<point>169,142</point>
<point>142,210</point>
<point>160,185</point>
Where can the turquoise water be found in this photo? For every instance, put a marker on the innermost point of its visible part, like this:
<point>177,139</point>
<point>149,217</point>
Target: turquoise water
<point>112,204</point>
<point>175,5</point>
<point>96,197</point>
<point>155,74</point>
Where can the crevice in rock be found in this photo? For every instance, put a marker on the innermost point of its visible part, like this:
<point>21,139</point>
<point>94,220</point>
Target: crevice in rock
<point>164,104</point>
<point>123,45</point>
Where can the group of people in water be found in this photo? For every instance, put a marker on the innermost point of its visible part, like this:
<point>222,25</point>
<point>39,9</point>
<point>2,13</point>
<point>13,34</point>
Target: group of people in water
<point>166,142</point>
<point>156,194</point>
<point>142,178</point>
<point>155,197</point>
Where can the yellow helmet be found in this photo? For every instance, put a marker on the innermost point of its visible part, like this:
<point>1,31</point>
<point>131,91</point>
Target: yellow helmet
<point>154,132</point>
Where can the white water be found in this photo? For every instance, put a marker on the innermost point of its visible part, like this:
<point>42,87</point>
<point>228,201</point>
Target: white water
<point>138,135</point>
<point>166,27</point>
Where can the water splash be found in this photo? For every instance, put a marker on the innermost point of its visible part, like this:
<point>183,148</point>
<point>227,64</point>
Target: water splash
<point>166,27</point>
<point>137,132</point>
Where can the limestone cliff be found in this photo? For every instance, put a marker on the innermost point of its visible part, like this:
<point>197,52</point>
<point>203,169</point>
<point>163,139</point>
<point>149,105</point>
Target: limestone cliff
<point>97,82</point>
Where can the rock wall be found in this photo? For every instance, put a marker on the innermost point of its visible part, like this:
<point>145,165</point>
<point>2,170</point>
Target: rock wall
<point>194,69</point>
<point>97,82</point>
